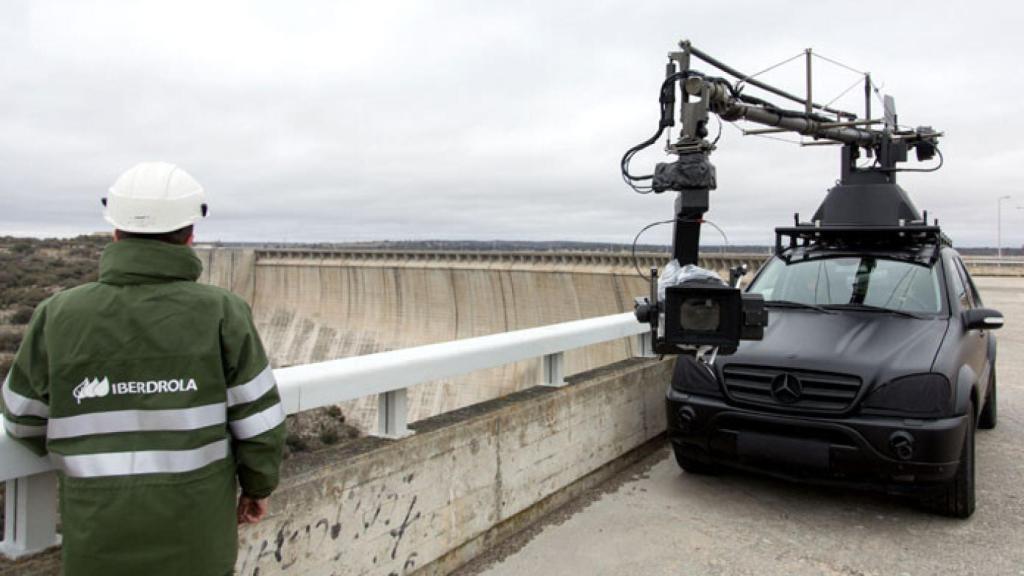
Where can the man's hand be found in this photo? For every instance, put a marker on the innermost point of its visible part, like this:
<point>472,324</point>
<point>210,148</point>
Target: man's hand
<point>251,510</point>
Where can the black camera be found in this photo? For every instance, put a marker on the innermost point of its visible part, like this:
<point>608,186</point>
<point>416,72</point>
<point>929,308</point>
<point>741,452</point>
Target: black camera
<point>702,312</point>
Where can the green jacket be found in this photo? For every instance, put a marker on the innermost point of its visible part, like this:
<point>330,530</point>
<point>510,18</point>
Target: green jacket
<point>152,394</point>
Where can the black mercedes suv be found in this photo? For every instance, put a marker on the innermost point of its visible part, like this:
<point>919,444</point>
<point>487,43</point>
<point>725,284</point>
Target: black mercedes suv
<point>876,367</point>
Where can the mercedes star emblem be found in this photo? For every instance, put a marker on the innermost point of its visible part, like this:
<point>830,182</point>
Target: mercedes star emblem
<point>786,388</point>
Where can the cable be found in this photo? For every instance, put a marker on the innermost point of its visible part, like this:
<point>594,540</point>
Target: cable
<point>666,99</point>
<point>858,82</point>
<point>838,63</point>
<point>628,178</point>
<point>778,92</point>
<point>720,231</point>
<point>768,69</point>
<point>637,237</point>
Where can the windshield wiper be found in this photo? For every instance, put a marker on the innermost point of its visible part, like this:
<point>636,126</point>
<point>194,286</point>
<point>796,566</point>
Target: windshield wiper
<point>794,304</point>
<point>870,308</point>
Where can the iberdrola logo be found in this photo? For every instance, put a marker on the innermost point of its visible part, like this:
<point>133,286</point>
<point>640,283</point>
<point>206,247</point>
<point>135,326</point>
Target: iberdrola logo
<point>94,388</point>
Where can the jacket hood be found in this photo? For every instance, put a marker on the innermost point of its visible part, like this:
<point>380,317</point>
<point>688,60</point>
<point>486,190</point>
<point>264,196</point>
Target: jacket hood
<point>137,261</point>
<point>871,345</point>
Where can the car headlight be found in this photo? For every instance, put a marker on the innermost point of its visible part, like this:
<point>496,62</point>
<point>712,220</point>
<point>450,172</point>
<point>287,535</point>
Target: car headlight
<point>918,394</point>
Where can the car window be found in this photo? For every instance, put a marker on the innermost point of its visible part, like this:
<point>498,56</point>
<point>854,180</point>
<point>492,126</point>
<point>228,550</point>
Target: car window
<point>895,284</point>
<point>959,287</point>
<point>972,291</point>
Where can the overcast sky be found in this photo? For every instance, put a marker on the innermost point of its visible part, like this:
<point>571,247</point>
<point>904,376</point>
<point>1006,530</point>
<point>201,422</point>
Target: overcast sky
<point>342,121</point>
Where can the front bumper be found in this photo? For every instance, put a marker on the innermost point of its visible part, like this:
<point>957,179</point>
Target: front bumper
<point>844,450</point>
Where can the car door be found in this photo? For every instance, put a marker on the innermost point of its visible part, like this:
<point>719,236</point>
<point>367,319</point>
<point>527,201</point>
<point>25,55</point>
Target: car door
<point>984,335</point>
<point>975,342</point>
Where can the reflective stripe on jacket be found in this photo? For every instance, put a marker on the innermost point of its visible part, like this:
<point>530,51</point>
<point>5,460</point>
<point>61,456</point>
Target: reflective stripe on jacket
<point>151,394</point>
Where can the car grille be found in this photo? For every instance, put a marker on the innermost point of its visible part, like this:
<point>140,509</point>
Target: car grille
<point>823,391</point>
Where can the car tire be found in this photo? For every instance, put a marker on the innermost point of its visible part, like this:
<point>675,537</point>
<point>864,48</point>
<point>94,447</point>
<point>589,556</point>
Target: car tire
<point>691,465</point>
<point>989,413</point>
<point>957,497</point>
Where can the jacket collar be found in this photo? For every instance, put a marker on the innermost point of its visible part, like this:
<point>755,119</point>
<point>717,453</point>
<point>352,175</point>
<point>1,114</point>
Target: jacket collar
<point>136,261</point>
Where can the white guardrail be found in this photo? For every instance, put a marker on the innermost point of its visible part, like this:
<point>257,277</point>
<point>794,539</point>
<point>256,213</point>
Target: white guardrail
<point>31,493</point>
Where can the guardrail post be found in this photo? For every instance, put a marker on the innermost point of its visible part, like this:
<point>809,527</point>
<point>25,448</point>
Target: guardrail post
<point>392,415</point>
<point>553,370</point>
<point>643,345</point>
<point>30,515</point>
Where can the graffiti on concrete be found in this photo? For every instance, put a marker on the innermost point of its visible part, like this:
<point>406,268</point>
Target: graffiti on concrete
<point>367,525</point>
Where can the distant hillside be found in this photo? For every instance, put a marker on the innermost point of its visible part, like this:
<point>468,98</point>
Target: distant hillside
<point>542,246</point>
<point>31,270</point>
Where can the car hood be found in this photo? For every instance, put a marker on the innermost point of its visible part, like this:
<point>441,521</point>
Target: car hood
<point>872,345</point>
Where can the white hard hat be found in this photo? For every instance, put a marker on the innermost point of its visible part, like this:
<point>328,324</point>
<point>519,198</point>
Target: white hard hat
<point>153,198</point>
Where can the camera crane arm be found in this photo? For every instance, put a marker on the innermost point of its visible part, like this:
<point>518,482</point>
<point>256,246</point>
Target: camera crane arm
<point>693,176</point>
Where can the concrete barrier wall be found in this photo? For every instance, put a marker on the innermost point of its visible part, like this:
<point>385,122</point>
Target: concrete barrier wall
<point>437,498</point>
<point>985,267</point>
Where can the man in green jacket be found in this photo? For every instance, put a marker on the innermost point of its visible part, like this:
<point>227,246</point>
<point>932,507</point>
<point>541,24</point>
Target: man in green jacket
<point>151,394</point>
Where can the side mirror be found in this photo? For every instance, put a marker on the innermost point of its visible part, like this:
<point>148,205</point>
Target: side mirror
<point>982,319</point>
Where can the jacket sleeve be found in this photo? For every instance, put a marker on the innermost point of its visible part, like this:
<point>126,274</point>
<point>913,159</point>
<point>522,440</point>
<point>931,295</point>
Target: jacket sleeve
<point>255,413</point>
<point>26,397</point>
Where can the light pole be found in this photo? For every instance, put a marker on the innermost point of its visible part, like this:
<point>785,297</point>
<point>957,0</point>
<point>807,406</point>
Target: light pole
<point>1020,207</point>
<point>999,225</point>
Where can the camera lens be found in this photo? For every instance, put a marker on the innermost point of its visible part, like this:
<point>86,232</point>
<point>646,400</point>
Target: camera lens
<point>700,315</point>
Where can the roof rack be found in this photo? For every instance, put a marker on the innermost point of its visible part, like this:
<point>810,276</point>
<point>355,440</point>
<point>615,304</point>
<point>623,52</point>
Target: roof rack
<point>914,238</point>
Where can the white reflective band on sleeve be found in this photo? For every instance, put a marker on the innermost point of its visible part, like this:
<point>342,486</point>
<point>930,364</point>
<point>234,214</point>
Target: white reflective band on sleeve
<point>253,389</point>
<point>149,462</point>
<point>22,405</point>
<point>258,423</point>
<point>23,430</point>
<point>138,421</point>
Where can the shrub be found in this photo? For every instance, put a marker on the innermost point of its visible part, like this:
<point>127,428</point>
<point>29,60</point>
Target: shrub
<point>296,443</point>
<point>21,248</point>
<point>329,436</point>
<point>22,315</point>
<point>9,341</point>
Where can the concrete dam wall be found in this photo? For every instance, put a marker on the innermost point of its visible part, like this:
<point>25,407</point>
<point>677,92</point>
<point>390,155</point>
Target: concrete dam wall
<point>319,305</point>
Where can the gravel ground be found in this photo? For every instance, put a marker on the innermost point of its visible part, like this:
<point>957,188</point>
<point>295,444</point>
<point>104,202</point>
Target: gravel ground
<point>655,519</point>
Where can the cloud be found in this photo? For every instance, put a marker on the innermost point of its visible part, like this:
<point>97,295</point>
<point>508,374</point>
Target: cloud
<point>456,119</point>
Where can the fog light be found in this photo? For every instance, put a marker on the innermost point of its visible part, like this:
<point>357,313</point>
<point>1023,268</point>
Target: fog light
<point>686,418</point>
<point>902,444</point>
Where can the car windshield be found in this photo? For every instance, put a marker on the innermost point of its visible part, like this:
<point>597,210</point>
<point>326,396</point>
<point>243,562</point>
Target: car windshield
<point>865,281</point>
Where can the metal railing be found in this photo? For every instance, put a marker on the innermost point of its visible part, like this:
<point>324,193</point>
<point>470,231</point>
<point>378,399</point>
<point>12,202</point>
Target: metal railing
<point>31,498</point>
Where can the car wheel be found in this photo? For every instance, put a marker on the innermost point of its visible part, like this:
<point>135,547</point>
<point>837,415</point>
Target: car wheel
<point>957,498</point>
<point>691,465</point>
<point>987,420</point>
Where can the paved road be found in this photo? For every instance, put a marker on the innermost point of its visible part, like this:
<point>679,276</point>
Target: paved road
<point>655,519</point>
